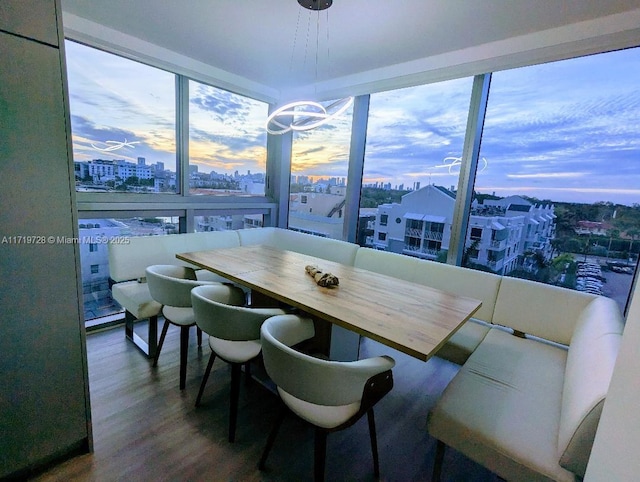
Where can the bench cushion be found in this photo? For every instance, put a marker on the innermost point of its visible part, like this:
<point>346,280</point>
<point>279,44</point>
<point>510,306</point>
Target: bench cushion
<point>136,299</point>
<point>502,409</point>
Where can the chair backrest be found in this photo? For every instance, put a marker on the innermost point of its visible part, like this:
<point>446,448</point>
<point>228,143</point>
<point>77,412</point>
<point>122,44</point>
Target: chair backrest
<point>311,379</point>
<point>219,312</point>
<point>171,285</point>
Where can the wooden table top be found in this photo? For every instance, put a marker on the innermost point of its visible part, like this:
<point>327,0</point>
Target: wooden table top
<point>409,317</point>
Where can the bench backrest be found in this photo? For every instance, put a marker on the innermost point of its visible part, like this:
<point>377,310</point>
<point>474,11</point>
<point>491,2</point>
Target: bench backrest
<point>285,239</point>
<point>461,281</point>
<point>538,309</point>
<point>129,261</point>
<point>387,263</point>
<point>590,361</point>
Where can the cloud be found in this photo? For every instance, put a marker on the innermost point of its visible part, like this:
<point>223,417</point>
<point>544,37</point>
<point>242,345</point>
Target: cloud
<point>312,150</point>
<point>220,103</point>
<point>154,145</point>
<point>84,127</point>
<point>550,175</point>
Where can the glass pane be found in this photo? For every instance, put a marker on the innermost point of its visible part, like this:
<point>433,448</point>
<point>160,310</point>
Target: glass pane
<point>227,142</point>
<point>319,168</point>
<point>415,139</point>
<point>557,197</point>
<point>122,122</point>
<point>94,236</point>
<point>227,222</point>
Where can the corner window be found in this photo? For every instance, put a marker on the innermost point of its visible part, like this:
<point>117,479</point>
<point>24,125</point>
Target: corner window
<point>319,167</point>
<point>558,176</point>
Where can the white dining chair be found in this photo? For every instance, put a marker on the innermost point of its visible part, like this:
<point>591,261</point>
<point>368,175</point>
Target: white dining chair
<point>330,395</point>
<point>171,286</point>
<point>234,335</point>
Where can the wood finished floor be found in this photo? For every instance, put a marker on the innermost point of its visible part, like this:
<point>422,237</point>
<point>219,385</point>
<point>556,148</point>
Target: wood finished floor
<point>145,428</point>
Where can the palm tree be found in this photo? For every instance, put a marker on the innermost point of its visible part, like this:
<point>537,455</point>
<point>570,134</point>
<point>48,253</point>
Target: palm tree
<point>614,233</point>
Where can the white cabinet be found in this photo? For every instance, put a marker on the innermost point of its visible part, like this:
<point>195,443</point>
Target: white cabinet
<point>44,405</point>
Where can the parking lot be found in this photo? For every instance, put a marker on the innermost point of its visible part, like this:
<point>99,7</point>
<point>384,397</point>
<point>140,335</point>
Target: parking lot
<point>615,285</point>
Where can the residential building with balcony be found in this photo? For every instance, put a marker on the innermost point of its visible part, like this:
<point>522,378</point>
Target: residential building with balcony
<point>500,233</point>
<point>539,219</point>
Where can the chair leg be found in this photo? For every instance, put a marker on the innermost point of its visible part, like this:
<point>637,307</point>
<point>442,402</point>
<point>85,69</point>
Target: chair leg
<point>165,327</point>
<point>184,347</point>
<point>199,332</point>
<point>247,373</point>
<point>374,441</point>
<point>319,454</point>
<point>212,358</point>
<point>437,464</point>
<point>152,344</point>
<point>272,438</point>
<point>233,399</point>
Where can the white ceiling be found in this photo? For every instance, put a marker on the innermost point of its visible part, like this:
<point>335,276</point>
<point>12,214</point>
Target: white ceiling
<point>371,43</point>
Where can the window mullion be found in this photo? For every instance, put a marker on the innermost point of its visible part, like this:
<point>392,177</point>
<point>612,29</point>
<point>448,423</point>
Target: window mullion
<point>356,166</point>
<point>469,163</point>
<point>182,133</point>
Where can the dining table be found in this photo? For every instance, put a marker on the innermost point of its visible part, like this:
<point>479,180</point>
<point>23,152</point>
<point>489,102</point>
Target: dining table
<point>410,317</point>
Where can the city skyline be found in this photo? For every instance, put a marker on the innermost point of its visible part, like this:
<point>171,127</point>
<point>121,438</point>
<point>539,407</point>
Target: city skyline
<point>564,131</point>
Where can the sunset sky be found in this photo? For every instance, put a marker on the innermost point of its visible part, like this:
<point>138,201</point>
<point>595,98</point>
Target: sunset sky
<point>566,131</point>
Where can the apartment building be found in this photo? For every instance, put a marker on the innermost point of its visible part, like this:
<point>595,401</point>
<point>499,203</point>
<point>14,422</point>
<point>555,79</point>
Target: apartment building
<point>502,233</point>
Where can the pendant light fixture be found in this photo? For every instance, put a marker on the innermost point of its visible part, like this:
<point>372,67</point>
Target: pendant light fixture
<point>305,115</point>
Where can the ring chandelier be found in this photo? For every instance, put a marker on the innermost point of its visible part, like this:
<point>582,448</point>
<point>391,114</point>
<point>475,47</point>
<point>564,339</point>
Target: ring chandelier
<point>304,115</point>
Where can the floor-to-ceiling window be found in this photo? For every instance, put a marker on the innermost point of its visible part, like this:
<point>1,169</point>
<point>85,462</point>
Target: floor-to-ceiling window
<point>127,157</point>
<point>227,142</point>
<point>557,195</point>
<point>319,168</point>
<point>415,138</point>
